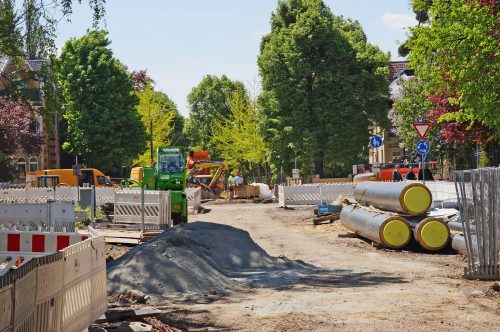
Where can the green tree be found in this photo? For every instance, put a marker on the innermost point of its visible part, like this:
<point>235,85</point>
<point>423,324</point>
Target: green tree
<point>456,53</point>
<point>236,136</point>
<point>208,102</point>
<point>27,27</point>
<point>323,86</point>
<point>99,102</point>
<point>406,111</point>
<point>167,122</point>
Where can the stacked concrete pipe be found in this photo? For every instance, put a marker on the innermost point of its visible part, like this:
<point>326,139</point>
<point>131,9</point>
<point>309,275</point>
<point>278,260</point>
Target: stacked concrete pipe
<point>411,200</point>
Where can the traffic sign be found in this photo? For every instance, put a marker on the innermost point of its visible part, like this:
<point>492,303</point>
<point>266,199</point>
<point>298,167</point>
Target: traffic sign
<point>422,128</point>
<point>423,147</point>
<point>376,141</point>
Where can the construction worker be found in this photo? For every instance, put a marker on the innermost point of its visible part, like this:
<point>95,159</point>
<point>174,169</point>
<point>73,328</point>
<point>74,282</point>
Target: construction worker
<point>231,183</point>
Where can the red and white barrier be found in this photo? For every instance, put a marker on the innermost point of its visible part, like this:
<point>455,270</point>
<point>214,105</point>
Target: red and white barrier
<point>37,242</point>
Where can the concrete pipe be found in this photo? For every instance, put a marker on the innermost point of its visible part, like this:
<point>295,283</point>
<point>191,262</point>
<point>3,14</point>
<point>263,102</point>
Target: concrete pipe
<point>431,233</point>
<point>413,199</point>
<point>390,231</point>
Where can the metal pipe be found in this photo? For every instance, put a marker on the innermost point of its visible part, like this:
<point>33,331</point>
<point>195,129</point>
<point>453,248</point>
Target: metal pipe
<point>390,231</point>
<point>413,199</point>
<point>459,227</point>
<point>142,209</point>
<point>431,233</point>
<point>458,243</point>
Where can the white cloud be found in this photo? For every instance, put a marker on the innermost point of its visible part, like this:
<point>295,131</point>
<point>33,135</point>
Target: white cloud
<point>398,21</point>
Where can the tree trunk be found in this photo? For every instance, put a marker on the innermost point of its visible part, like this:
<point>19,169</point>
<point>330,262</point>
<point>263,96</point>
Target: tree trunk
<point>318,165</point>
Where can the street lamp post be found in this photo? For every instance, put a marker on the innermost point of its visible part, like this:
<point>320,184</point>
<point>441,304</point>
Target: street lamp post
<point>151,152</point>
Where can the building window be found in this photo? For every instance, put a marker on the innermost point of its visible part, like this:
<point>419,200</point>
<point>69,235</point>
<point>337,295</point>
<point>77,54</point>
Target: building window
<point>21,167</point>
<point>33,164</point>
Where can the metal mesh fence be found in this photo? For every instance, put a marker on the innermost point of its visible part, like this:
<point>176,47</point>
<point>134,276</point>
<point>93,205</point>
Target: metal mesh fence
<point>478,194</point>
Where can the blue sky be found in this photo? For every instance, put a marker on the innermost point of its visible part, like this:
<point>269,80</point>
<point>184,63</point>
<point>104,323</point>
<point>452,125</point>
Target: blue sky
<point>180,41</point>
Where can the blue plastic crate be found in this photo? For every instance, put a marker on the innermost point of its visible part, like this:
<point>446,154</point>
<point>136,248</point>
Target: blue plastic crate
<point>328,208</point>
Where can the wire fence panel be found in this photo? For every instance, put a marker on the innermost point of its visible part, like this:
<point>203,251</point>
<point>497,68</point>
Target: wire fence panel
<point>478,194</point>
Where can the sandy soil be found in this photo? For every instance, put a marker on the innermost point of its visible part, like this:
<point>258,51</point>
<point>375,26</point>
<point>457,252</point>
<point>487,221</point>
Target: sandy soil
<point>363,288</point>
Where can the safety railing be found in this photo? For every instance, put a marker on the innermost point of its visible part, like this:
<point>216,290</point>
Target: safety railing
<point>64,291</point>
<point>150,208</point>
<point>58,216</point>
<point>41,195</point>
<point>311,194</point>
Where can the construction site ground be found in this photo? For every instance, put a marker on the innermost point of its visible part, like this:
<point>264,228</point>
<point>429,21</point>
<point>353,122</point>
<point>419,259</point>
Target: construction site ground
<point>361,287</point>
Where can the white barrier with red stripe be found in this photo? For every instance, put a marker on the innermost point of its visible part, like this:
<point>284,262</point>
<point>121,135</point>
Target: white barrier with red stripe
<point>37,242</point>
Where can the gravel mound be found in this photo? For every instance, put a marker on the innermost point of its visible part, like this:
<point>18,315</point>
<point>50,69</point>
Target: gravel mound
<point>200,259</point>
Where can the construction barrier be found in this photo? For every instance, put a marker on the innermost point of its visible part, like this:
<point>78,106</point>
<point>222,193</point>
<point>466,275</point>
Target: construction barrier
<point>478,194</point>
<point>41,195</point>
<point>64,291</point>
<point>193,196</point>
<point>58,216</point>
<point>128,207</point>
<point>36,243</point>
<point>313,194</point>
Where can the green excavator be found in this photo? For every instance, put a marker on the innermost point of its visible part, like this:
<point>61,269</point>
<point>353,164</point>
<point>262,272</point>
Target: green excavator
<point>167,173</point>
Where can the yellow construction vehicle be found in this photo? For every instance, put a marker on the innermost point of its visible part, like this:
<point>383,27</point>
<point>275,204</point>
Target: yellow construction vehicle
<point>207,175</point>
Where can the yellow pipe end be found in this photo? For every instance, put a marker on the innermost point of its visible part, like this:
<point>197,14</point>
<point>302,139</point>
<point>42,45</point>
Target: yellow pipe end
<point>417,200</point>
<point>434,235</point>
<point>396,233</point>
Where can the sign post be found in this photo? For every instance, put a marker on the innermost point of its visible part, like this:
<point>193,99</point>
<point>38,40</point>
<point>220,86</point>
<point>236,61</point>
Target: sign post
<point>423,147</point>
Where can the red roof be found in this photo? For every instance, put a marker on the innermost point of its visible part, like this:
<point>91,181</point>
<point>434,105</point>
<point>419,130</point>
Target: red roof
<point>396,67</point>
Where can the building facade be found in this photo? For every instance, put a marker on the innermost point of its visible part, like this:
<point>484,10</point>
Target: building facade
<point>392,150</point>
<point>32,89</point>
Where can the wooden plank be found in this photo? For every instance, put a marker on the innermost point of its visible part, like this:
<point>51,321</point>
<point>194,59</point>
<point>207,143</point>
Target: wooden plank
<point>118,233</point>
<point>121,240</point>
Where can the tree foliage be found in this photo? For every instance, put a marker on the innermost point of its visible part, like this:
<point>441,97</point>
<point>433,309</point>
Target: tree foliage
<point>236,135</point>
<point>99,102</point>
<point>167,122</point>
<point>27,27</point>
<point>208,103</point>
<point>18,130</point>
<point>323,85</point>
<point>456,55</point>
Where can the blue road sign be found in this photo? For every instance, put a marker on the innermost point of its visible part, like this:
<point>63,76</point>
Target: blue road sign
<point>423,147</point>
<point>376,141</point>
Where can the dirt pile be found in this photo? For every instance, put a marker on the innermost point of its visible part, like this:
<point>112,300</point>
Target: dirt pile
<point>200,259</point>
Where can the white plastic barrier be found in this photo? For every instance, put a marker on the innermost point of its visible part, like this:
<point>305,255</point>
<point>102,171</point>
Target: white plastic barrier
<point>193,196</point>
<point>32,216</point>
<point>128,207</point>
<point>65,291</point>
<point>311,194</point>
<point>103,195</point>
